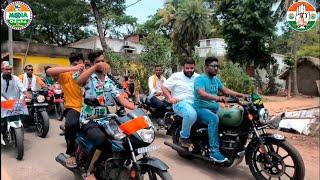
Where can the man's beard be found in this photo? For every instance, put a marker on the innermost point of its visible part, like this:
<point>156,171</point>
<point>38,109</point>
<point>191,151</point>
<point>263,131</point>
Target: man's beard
<point>7,76</point>
<point>212,74</point>
<point>188,74</point>
<point>29,75</point>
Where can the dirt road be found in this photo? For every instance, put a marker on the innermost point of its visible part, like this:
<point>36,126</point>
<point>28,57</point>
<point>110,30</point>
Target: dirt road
<point>39,163</point>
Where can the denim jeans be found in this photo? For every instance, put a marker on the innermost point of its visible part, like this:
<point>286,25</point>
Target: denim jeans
<point>188,114</point>
<point>212,120</point>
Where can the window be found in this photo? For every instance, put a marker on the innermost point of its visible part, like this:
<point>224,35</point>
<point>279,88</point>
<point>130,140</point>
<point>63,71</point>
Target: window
<point>207,42</point>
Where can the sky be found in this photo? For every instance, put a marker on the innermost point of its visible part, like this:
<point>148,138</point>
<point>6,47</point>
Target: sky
<point>143,8</point>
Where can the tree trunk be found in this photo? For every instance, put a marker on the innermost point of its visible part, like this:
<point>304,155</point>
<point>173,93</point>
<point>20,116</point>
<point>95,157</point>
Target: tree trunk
<point>295,81</point>
<point>97,17</point>
<point>289,83</point>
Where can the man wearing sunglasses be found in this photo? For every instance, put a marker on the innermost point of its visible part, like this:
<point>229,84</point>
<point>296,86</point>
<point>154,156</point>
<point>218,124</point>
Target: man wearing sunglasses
<point>30,81</point>
<point>206,88</point>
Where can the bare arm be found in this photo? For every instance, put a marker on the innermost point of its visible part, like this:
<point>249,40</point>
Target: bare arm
<point>202,93</point>
<point>125,102</point>
<point>232,93</point>
<point>167,94</point>
<point>86,75</point>
<point>58,70</point>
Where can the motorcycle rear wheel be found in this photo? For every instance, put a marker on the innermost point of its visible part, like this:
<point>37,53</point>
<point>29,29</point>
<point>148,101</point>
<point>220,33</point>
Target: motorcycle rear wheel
<point>42,126</point>
<point>175,140</point>
<point>18,136</point>
<point>279,151</point>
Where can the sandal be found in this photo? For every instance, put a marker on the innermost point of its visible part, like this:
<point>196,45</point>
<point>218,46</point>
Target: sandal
<point>71,162</point>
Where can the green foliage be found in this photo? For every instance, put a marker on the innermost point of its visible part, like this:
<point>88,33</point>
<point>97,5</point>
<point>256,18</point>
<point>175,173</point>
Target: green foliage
<point>190,26</point>
<point>248,29</point>
<point>289,61</point>
<point>272,87</point>
<point>158,51</point>
<point>57,22</point>
<point>235,78</point>
<point>310,50</point>
<point>302,43</point>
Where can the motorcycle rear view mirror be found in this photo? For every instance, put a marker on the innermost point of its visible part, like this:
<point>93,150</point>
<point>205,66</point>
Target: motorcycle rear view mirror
<point>91,102</point>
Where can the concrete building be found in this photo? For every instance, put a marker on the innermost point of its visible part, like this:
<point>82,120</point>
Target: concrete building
<point>214,47</point>
<point>115,45</point>
<point>39,55</point>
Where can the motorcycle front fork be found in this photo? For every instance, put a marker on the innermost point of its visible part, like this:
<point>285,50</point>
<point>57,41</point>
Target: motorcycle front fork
<point>262,147</point>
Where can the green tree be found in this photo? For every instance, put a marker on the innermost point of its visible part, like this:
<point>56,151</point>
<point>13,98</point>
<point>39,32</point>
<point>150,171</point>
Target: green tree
<point>57,22</point>
<point>248,29</point>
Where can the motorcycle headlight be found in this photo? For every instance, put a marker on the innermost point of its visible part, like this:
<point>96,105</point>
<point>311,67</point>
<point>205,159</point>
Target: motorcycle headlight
<point>263,115</point>
<point>40,98</point>
<point>58,91</point>
<point>147,135</point>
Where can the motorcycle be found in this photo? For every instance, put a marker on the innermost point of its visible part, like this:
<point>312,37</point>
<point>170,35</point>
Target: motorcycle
<point>130,136</point>
<point>162,118</point>
<point>242,134</point>
<point>13,112</point>
<point>55,100</point>
<point>38,115</point>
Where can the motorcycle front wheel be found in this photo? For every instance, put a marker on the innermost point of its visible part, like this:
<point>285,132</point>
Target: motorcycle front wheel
<point>59,108</point>
<point>42,126</point>
<point>17,137</point>
<point>154,174</point>
<point>285,161</point>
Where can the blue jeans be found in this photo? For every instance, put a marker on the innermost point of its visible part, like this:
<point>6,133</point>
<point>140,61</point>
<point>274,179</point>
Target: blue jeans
<point>212,120</point>
<point>188,114</point>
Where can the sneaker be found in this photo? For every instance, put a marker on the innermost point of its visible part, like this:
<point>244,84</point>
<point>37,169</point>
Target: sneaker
<point>185,142</point>
<point>218,157</point>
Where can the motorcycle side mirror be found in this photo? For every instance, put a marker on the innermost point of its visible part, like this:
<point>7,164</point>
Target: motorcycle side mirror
<point>91,102</point>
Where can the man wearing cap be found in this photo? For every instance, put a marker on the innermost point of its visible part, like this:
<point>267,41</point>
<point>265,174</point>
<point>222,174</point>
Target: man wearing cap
<point>11,86</point>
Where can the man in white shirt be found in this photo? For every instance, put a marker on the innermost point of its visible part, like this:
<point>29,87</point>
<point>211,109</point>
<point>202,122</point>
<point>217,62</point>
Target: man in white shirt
<point>155,82</point>
<point>178,89</point>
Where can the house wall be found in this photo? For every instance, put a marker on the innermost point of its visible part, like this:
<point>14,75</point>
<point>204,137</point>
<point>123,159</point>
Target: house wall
<point>38,63</point>
<point>307,74</point>
<point>115,45</point>
<point>214,46</point>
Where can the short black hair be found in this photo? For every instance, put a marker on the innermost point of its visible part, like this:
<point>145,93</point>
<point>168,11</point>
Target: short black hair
<point>29,65</point>
<point>210,59</point>
<point>46,68</point>
<point>187,60</point>
<point>75,57</point>
<point>93,55</point>
<point>158,65</point>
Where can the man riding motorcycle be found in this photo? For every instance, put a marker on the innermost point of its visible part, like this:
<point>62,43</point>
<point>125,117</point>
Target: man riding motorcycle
<point>30,81</point>
<point>178,89</point>
<point>206,88</point>
<point>97,84</point>
<point>73,100</point>
<point>11,87</point>
<point>49,80</point>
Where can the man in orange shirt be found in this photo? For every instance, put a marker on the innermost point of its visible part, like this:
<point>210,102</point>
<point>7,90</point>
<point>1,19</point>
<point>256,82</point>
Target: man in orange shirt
<point>30,81</point>
<point>73,100</point>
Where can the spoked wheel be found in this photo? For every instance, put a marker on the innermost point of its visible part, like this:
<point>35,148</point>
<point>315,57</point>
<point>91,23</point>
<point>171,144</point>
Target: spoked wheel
<point>154,174</point>
<point>42,124</point>
<point>59,108</point>
<point>17,137</point>
<point>285,162</point>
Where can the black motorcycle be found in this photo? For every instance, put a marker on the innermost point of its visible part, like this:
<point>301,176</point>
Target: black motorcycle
<point>242,133</point>
<point>163,118</point>
<point>130,136</point>
<point>38,115</point>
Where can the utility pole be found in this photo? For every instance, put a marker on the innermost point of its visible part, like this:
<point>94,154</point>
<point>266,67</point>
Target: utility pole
<point>10,49</point>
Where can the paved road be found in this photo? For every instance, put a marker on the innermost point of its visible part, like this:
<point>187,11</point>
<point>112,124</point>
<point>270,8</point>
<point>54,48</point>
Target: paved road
<point>39,163</point>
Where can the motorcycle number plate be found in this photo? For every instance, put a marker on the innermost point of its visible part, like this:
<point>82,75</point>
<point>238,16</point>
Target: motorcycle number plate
<point>147,149</point>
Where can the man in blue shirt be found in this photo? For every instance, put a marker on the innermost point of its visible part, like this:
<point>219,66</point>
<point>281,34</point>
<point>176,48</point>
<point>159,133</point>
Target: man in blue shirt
<point>206,88</point>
